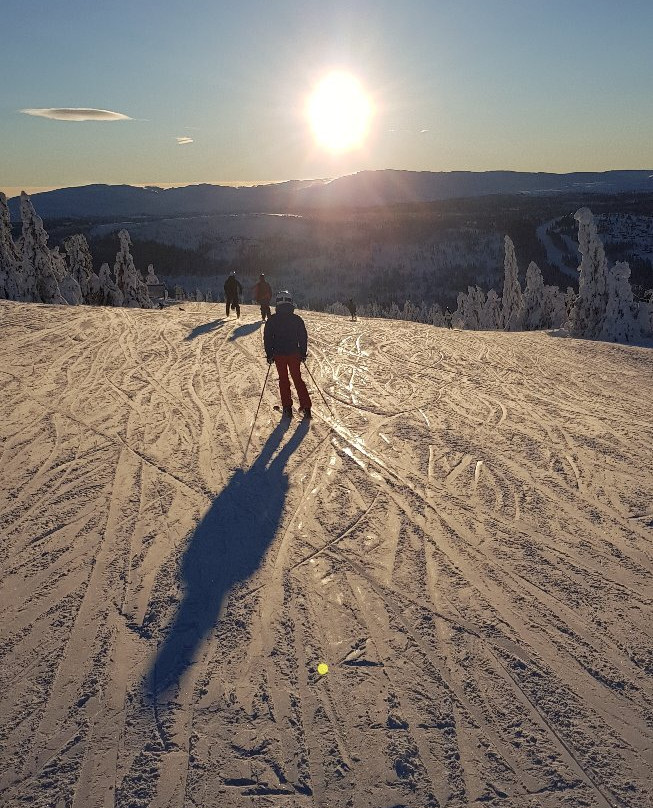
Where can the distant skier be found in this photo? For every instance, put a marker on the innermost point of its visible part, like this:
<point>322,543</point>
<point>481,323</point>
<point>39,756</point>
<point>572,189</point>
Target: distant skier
<point>263,296</point>
<point>352,308</point>
<point>232,290</point>
<point>286,344</point>
<point>447,317</point>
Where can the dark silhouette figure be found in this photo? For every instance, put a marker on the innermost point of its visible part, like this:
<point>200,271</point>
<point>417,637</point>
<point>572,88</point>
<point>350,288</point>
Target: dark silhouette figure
<point>226,548</point>
<point>232,291</point>
<point>351,305</point>
<point>447,317</point>
<point>286,344</point>
<point>263,296</point>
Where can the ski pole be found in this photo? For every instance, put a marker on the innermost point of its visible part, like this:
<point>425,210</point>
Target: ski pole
<point>320,391</point>
<point>256,414</point>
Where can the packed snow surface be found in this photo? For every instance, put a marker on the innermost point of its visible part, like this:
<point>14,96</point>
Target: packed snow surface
<point>465,543</point>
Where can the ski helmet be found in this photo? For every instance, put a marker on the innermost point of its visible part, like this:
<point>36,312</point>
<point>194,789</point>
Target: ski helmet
<point>284,297</point>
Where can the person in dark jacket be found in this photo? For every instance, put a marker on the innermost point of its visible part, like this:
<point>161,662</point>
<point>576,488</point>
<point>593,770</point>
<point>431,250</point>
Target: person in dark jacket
<point>286,344</point>
<point>232,289</point>
<point>447,317</point>
<point>263,296</point>
<point>352,308</point>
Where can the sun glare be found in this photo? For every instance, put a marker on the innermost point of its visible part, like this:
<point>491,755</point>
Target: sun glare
<point>339,112</point>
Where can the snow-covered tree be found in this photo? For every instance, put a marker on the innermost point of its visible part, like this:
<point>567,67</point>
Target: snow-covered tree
<point>9,259</point>
<point>70,291</point>
<point>470,306</point>
<point>645,318</point>
<point>199,297</point>
<point>534,298</point>
<point>410,312</point>
<point>68,286</point>
<point>209,296</point>
<point>151,275</point>
<point>476,302</point>
<point>587,315</point>
<point>619,322</point>
<point>554,308</point>
<point>459,316</point>
<point>435,316</point>
<point>109,293</point>
<point>128,279</point>
<point>80,266</point>
<point>39,269</point>
<point>491,315</point>
<point>513,303</point>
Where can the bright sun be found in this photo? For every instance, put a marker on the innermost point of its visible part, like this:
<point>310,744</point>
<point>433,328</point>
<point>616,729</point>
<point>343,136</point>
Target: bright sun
<point>340,112</point>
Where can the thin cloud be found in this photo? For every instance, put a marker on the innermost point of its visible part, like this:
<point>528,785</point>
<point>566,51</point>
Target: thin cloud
<point>77,114</point>
<point>183,141</point>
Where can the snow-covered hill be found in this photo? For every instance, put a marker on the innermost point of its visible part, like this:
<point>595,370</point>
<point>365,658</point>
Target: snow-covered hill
<point>465,542</point>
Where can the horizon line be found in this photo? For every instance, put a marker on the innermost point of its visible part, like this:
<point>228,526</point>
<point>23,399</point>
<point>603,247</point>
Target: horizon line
<point>13,191</point>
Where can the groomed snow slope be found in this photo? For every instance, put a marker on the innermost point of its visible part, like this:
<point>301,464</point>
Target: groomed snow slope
<point>467,545</point>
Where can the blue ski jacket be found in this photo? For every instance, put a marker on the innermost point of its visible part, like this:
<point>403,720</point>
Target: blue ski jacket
<point>285,333</point>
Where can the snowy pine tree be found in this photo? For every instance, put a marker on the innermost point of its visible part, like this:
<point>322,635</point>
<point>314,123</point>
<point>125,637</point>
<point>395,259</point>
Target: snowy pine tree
<point>587,315</point>
<point>435,316</point>
<point>534,298</point>
<point>68,286</point>
<point>459,317</point>
<point>80,266</point>
<point>110,295</point>
<point>9,259</point>
<point>38,280</point>
<point>475,304</point>
<point>151,275</point>
<point>619,322</point>
<point>491,315</point>
<point>513,303</point>
<point>128,278</point>
<point>554,310</point>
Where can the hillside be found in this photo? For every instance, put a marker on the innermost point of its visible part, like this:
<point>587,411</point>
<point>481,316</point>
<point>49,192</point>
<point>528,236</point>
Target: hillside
<point>466,543</point>
<point>363,189</point>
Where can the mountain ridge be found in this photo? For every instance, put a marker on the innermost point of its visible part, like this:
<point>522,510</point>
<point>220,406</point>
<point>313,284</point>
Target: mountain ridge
<point>362,189</point>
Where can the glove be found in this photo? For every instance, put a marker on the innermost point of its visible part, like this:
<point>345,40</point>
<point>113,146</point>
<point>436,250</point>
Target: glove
<point>270,359</point>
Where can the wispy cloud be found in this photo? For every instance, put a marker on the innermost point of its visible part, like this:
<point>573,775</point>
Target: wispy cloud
<point>77,114</point>
<point>183,141</point>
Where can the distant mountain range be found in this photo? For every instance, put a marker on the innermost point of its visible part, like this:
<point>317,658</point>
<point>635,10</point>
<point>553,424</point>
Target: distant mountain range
<point>364,189</point>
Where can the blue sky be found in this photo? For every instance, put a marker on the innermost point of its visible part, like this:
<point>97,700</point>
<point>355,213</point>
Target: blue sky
<point>528,85</point>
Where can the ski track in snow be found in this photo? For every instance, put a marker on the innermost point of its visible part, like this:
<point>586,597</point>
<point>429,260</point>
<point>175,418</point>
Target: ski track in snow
<point>466,542</point>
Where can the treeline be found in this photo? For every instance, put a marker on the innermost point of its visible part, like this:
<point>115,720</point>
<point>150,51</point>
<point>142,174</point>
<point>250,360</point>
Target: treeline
<point>31,272</point>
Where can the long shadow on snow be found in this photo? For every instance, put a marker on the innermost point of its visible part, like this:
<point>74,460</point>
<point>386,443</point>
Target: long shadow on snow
<point>227,547</point>
<point>205,328</point>
<point>244,330</point>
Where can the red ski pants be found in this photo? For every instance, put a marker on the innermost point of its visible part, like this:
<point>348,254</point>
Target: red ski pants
<point>291,362</point>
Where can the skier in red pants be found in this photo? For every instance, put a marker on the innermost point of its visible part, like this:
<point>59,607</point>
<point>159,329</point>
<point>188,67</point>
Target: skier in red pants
<point>286,344</point>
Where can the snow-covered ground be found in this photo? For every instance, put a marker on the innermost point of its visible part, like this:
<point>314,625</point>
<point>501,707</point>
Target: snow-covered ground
<point>466,543</point>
